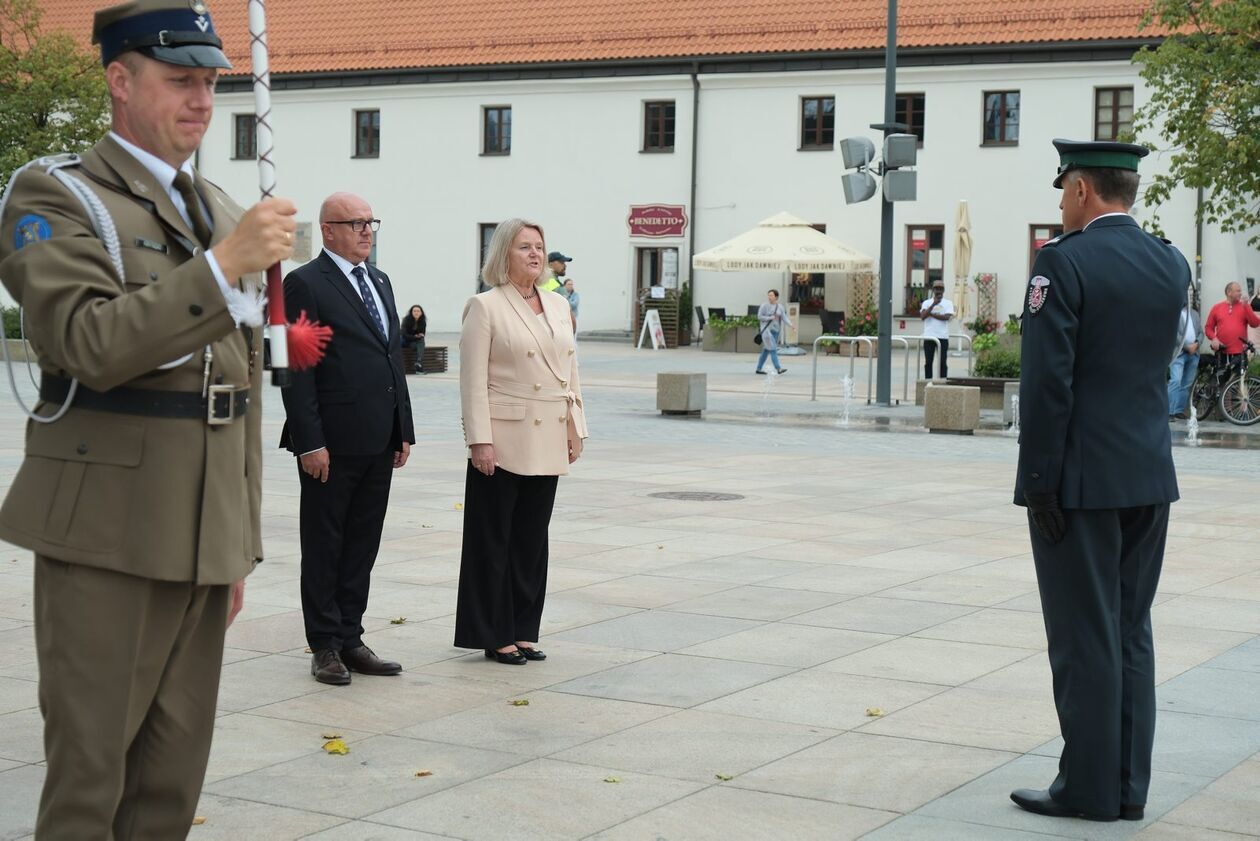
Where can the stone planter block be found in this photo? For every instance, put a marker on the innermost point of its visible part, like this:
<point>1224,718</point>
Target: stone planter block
<point>1009,390</point>
<point>681,393</point>
<point>20,351</point>
<point>710,342</point>
<point>952,408</point>
<point>920,386</point>
<point>744,340</point>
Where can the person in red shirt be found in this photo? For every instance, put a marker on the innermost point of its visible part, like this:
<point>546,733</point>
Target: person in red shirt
<point>1227,323</point>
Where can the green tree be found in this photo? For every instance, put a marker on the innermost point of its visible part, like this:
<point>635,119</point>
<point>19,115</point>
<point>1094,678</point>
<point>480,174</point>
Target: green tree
<point>52,93</point>
<point>1204,83</point>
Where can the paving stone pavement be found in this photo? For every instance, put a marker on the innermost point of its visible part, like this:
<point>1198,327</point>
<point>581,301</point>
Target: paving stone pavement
<point>713,665</point>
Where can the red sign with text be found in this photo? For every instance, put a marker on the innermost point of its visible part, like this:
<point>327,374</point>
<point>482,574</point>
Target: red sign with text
<point>918,244</point>
<point>657,220</point>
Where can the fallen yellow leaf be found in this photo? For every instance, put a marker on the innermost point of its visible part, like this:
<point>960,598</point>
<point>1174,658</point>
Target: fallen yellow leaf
<point>520,702</point>
<point>724,777</point>
<point>424,773</point>
<point>612,779</point>
<point>459,506</point>
<point>199,820</point>
<point>426,525</point>
<point>337,746</point>
<point>398,621</point>
<point>308,650</point>
<point>874,712</point>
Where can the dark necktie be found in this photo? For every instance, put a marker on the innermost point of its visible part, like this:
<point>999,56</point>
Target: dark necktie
<point>192,203</point>
<point>368,300</point>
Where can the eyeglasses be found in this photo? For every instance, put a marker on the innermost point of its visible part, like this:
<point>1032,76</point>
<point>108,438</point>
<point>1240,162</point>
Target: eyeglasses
<point>356,225</point>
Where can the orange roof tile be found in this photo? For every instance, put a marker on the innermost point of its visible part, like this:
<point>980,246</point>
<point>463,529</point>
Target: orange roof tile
<point>332,35</point>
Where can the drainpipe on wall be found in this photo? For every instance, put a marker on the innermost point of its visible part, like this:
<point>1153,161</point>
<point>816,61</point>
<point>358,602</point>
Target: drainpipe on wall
<point>695,147</point>
<point>1198,250</point>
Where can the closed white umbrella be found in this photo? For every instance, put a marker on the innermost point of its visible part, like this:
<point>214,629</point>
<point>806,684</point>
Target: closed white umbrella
<point>962,259</point>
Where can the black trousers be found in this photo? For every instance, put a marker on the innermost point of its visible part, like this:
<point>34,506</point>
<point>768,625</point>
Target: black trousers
<point>503,568</point>
<point>929,353</point>
<point>341,522</point>
<point>1096,588</point>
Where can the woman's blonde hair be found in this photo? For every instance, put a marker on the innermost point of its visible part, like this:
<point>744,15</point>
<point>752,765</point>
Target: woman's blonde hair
<point>494,272</point>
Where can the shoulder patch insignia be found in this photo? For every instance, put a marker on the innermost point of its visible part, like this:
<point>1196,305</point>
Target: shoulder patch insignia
<point>1038,292</point>
<point>31,228</point>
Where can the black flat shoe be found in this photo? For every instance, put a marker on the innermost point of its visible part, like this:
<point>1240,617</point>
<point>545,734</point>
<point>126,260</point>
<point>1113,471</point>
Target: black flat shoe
<point>531,653</point>
<point>1039,802</point>
<point>510,658</point>
<point>782,370</point>
<point>759,372</point>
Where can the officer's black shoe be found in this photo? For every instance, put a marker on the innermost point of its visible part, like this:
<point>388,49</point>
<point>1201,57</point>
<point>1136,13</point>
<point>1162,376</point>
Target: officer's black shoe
<point>327,667</point>
<point>1039,801</point>
<point>363,660</point>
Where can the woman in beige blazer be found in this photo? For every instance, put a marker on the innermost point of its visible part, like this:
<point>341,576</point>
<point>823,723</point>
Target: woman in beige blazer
<point>524,425</point>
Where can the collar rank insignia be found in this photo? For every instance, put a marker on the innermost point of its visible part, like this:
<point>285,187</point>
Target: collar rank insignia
<point>1038,292</point>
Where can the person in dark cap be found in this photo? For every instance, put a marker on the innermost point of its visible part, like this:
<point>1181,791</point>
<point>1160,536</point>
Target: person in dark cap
<point>559,265</point>
<point>1096,474</point>
<point>140,494</point>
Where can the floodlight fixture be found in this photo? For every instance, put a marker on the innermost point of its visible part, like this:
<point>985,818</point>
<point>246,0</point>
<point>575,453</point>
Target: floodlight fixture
<point>858,186</point>
<point>858,152</point>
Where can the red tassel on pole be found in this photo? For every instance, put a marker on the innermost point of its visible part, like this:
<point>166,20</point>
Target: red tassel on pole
<point>301,345</point>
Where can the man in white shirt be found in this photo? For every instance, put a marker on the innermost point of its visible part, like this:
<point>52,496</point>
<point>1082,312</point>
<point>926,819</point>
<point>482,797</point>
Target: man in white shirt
<point>1185,364</point>
<point>936,313</point>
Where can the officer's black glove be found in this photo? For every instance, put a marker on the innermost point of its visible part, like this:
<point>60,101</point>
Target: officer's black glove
<point>1047,516</point>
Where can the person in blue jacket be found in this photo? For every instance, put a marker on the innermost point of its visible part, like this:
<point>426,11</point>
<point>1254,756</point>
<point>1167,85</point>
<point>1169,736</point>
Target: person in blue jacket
<point>1096,474</point>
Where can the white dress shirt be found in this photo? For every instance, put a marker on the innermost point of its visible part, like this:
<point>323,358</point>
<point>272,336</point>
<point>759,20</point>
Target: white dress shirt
<point>346,267</point>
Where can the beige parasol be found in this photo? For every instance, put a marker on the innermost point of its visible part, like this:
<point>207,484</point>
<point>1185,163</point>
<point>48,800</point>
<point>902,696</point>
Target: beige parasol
<point>962,259</point>
<point>784,243</point>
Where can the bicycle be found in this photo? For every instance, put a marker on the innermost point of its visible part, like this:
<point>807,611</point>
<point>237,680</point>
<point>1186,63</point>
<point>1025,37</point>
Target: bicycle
<point>1224,384</point>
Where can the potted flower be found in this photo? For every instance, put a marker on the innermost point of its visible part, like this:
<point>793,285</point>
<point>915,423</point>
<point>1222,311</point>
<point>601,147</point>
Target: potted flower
<point>864,322</point>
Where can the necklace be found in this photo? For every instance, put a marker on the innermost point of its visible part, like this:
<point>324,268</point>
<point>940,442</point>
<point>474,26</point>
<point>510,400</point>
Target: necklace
<point>533,292</point>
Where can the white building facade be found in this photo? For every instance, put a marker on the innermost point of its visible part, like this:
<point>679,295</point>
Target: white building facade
<point>726,143</point>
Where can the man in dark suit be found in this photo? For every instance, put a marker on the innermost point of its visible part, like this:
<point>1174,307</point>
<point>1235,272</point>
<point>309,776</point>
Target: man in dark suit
<point>349,423</point>
<point>1096,474</point>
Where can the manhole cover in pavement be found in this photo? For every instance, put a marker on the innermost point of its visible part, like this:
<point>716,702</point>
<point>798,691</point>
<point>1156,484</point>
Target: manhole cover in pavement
<point>696,496</point>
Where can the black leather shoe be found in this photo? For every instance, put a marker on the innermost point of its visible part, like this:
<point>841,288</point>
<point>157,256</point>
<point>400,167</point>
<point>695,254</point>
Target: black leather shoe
<point>510,658</point>
<point>1132,812</point>
<point>1039,801</point>
<point>531,653</point>
<point>327,667</point>
<point>364,661</point>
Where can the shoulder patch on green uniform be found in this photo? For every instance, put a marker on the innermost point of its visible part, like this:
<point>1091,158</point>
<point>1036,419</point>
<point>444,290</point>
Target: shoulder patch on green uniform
<point>31,228</point>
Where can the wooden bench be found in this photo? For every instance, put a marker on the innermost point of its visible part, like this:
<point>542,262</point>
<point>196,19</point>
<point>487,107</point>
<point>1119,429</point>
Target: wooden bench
<point>434,361</point>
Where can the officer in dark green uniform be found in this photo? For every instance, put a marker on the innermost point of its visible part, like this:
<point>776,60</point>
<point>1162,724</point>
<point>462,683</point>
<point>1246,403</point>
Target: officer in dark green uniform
<point>1096,474</point>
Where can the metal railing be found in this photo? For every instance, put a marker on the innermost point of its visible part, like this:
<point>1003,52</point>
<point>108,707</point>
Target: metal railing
<point>967,339</point>
<point>852,342</point>
<point>902,341</point>
<point>918,355</point>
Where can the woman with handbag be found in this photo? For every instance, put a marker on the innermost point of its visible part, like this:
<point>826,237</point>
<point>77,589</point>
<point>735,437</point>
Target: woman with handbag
<point>772,316</point>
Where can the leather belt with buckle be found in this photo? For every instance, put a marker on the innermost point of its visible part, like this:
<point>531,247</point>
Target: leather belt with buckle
<point>223,404</point>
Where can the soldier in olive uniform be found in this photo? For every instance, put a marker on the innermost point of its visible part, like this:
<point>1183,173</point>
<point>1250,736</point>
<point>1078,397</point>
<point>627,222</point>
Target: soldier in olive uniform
<point>142,501</point>
<point>1096,474</point>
